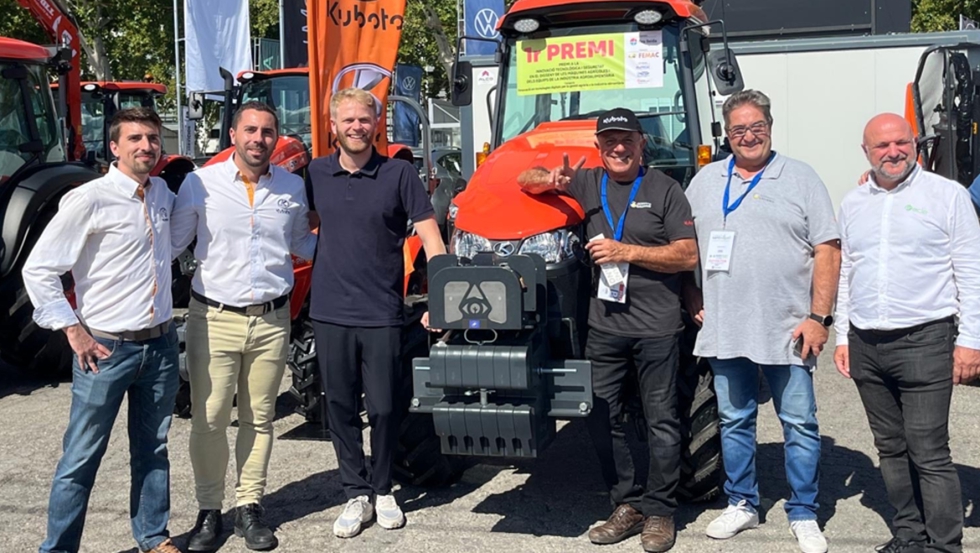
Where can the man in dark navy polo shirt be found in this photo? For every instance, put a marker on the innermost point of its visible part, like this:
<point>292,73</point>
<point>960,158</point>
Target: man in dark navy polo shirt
<point>364,201</point>
<point>642,238</point>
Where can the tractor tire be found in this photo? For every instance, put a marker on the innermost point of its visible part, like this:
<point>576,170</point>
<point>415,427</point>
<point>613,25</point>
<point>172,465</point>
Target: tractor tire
<point>305,372</point>
<point>701,462</point>
<point>23,344</point>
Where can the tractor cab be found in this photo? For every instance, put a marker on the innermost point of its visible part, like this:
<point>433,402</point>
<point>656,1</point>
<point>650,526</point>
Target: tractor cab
<point>101,100</point>
<point>29,130</point>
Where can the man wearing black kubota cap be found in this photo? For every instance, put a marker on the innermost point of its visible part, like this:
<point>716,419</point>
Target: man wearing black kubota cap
<point>642,238</point>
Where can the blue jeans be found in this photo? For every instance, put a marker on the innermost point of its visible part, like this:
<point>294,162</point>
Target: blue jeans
<point>147,373</point>
<point>737,387</point>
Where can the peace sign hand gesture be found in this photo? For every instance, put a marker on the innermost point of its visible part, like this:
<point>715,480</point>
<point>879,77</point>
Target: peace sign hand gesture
<point>562,175</point>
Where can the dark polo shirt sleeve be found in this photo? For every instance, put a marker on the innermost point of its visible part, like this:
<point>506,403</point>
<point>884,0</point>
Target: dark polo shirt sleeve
<point>358,273</point>
<point>678,221</point>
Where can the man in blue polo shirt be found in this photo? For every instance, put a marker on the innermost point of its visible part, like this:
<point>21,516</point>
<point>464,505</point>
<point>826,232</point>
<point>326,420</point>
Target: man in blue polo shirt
<point>364,201</point>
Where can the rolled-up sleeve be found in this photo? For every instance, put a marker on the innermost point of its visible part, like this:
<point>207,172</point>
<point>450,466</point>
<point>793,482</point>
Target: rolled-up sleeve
<point>55,253</point>
<point>841,318</point>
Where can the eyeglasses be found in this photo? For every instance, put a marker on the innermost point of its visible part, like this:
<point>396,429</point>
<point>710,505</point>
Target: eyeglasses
<point>759,128</point>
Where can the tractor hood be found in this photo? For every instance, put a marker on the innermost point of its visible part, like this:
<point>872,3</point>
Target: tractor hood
<point>494,206</point>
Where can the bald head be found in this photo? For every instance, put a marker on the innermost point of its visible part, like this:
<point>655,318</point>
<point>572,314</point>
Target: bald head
<point>890,147</point>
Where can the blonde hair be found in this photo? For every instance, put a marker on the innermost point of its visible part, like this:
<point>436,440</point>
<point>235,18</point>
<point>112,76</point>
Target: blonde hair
<point>358,95</point>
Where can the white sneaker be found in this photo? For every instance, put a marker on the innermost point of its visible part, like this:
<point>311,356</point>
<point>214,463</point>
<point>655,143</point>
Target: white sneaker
<point>735,519</point>
<point>357,512</point>
<point>390,515</point>
<point>809,536</point>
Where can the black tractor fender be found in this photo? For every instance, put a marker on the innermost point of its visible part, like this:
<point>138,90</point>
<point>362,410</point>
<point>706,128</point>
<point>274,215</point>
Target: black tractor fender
<point>172,169</point>
<point>35,191</point>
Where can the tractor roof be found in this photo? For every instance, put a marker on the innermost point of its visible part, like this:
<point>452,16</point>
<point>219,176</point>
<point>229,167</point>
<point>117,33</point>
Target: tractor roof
<point>13,49</point>
<point>593,10</point>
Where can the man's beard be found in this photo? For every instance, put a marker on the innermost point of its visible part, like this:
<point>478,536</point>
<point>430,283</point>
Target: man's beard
<point>244,155</point>
<point>881,172</point>
<point>350,148</point>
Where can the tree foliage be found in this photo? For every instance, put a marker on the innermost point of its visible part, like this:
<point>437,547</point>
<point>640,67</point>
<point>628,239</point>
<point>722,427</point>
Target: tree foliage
<point>942,15</point>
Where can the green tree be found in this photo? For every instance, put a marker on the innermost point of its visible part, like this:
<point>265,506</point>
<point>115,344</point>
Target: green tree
<point>942,15</point>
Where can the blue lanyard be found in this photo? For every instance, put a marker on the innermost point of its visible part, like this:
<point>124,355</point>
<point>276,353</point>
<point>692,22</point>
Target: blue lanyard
<point>725,207</point>
<point>618,236</point>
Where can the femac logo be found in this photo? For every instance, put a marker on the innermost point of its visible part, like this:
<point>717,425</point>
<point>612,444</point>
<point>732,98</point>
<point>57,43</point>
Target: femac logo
<point>503,249</point>
<point>485,23</point>
<point>475,304</point>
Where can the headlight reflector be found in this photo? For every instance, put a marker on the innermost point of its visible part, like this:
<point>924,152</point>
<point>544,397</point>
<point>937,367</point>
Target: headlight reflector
<point>554,246</point>
<point>466,244</point>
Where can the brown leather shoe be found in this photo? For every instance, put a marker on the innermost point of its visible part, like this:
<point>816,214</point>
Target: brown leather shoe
<point>624,522</point>
<point>658,534</point>
<point>166,546</point>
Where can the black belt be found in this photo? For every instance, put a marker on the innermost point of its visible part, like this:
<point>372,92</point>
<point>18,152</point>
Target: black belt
<point>134,335</point>
<point>256,310</point>
<point>900,331</point>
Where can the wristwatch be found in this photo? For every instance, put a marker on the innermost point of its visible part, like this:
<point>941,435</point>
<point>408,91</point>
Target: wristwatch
<point>825,320</point>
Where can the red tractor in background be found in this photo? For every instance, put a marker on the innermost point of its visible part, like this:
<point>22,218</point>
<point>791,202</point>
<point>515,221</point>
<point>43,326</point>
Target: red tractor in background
<point>36,170</point>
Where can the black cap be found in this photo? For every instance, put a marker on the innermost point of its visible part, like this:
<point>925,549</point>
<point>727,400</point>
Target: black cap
<point>619,119</point>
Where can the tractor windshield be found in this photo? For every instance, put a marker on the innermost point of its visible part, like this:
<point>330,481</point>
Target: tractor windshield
<point>94,114</point>
<point>290,96</point>
<point>28,128</point>
<point>580,72</point>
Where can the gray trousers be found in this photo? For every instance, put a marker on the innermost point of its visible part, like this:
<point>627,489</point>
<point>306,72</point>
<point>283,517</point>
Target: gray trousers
<point>905,379</point>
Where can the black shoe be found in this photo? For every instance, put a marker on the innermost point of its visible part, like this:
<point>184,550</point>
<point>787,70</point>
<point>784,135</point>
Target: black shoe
<point>206,531</point>
<point>898,545</point>
<point>249,525</point>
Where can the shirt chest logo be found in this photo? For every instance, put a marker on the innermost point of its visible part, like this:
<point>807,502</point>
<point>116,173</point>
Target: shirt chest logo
<point>164,214</point>
<point>761,198</point>
<point>912,209</point>
<point>283,208</point>
<point>640,205</point>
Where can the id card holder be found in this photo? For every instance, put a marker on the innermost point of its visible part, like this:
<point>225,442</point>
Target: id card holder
<point>721,245</point>
<point>615,293</point>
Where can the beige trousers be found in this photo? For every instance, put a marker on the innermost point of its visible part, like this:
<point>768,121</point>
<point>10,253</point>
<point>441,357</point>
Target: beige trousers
<point>228,353</point>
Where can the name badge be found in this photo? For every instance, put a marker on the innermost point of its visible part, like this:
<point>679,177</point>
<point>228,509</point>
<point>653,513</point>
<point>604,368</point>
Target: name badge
<point>720,246</point>
<point>613,292</point>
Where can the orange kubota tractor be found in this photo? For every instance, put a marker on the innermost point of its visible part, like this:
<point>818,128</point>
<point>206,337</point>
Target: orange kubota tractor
<point>514,289</point>
<point>37,167</point>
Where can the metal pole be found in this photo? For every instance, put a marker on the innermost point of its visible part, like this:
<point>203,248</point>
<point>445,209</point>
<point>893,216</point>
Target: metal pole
<point>180,119</point>
<point>282,37</point>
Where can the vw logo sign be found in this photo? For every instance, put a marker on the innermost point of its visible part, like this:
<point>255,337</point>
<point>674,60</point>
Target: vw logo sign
<point>408,83</point>
<point>485,23</point>
<point>503,249</point>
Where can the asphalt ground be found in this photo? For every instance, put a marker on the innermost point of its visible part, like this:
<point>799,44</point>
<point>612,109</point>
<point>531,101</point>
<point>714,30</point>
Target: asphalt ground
<point>543,505</point>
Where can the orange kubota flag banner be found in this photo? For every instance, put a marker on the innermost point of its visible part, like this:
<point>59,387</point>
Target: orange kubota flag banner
<point>352,43</point>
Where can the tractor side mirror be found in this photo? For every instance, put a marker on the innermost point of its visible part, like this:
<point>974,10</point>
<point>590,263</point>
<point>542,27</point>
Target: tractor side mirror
<point>195,106</point>
<point>462,92</point>
<point>724,71</point>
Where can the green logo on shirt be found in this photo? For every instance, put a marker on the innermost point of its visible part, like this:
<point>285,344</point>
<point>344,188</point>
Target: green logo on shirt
<point>920,211</point>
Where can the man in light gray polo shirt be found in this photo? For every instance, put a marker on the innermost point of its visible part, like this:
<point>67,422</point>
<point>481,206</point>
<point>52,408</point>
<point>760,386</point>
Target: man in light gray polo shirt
<point>770,260</point>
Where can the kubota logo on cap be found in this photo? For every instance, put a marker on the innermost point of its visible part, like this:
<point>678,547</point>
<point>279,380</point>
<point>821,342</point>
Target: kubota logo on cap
<point>615,118</point>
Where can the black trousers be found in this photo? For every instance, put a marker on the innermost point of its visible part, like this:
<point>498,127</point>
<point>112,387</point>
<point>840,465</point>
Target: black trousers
<point>905,379</point>
<point>655,361</point>
<point>356,360</point>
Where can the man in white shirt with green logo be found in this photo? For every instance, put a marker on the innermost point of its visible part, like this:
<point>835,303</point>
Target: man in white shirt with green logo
<point>910,264</point>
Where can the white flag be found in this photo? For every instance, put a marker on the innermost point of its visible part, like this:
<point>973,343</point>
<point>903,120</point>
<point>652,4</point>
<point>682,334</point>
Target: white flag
<point>216,35</point>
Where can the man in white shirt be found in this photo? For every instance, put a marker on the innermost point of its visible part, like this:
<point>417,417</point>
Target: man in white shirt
<point>113,234</point>
<point>910,264</point>
<point>248,216</point>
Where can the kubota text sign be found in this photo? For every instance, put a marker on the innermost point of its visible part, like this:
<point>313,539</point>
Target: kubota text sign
<point>352,43</point>
<point>590,62</point>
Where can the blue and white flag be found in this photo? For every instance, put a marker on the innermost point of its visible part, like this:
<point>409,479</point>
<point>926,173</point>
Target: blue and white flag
<point>481,21</point>
<point>405,124</point>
